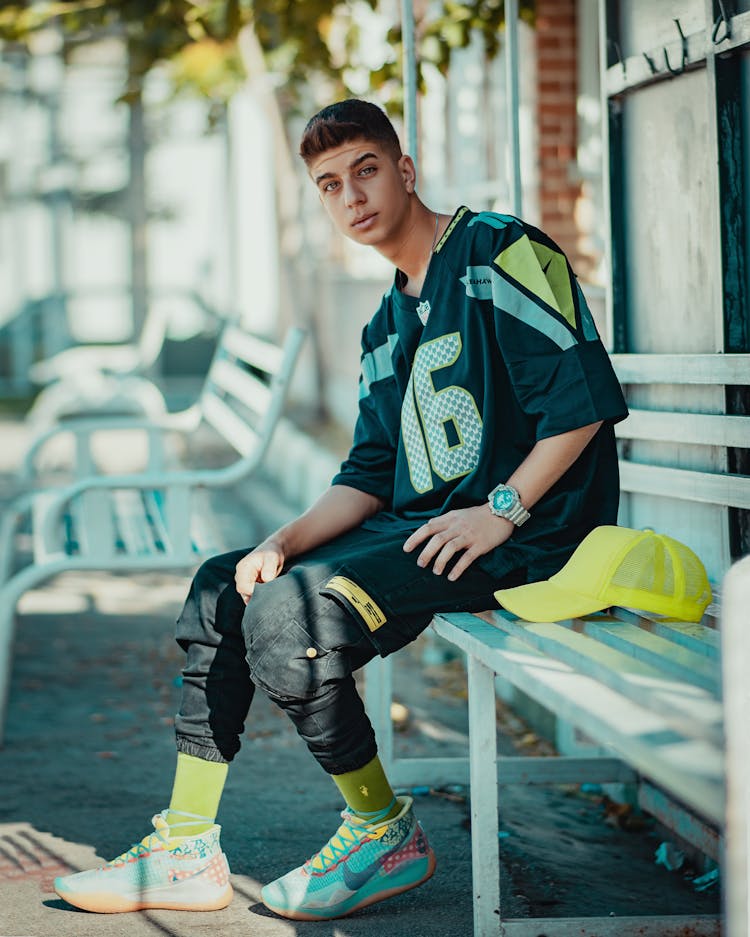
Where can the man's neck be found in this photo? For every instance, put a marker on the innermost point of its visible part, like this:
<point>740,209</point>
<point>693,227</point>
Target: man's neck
<point>412,251</point>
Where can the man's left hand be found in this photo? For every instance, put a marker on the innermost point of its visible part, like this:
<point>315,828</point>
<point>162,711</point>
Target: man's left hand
<point>469,531</point>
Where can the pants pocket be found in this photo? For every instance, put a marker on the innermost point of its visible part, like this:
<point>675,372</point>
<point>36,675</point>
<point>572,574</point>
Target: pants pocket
<point>289,663</point>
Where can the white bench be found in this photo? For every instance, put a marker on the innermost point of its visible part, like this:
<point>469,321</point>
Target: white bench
<point>113,378</point>
<point>102,377</point>
<point>149,520</point>
<point>647,691</point>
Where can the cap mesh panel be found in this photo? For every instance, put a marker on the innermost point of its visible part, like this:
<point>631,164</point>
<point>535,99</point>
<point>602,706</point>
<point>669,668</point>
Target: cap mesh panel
<point>647,567</point>
<point>695,582</point>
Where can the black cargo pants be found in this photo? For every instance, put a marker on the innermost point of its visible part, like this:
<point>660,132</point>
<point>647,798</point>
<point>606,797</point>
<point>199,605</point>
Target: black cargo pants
<point>301,637</point>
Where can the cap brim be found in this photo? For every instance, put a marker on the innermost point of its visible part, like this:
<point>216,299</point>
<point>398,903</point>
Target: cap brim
<point>545,601</point>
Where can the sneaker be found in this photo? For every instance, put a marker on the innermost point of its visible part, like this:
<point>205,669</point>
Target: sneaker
<point>181,874</point>
<point>362,863</point>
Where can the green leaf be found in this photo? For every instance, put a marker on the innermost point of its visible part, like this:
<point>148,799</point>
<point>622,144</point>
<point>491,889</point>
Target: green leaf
<point>311,42</point>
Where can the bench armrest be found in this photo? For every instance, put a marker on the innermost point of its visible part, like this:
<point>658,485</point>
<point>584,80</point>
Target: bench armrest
<point>83,429</point>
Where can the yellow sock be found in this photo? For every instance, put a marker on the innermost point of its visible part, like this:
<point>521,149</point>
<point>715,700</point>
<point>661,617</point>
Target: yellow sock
<point>197,790</point>
<point>368,793</point>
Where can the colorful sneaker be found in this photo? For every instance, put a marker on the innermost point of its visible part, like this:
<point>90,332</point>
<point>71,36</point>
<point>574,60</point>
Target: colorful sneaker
<point>181,874</point>
<point>362,863</point>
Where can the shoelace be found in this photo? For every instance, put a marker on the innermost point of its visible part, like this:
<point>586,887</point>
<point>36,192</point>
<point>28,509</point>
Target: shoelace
<point>346,836</point>
<point>160,834</point>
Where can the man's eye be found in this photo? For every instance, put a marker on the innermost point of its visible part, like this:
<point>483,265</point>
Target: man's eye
<point>329,186</point>
<point>366,170</point>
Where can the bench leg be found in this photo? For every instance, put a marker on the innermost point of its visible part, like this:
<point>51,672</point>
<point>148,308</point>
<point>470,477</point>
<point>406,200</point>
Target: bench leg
<point>483,777</point>
<point>736,659</point>
<point>10,593</point>
<point>485,859</point>
<point>378,698</point>
<point>11,518</point>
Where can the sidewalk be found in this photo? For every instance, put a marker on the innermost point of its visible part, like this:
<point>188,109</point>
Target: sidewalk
<point>89,758</point>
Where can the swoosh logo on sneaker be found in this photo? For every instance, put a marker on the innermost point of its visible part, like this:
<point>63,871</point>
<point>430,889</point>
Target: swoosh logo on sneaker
<point>356,880</point>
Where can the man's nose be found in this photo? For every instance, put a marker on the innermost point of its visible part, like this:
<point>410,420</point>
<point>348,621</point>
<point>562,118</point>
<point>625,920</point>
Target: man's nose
<point>353,193</point>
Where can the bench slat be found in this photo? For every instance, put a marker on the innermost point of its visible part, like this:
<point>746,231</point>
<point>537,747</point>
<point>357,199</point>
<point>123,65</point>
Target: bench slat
<point>690,709</point>
<point>207,535</point>
<point>693,635</point>
<point>669,658</point>
<point>228,424</point>
<point>682,369</point>
<point>252,349</point>
<point>136,533</point>
<point>704,429</point>
<point>685,484</point>
<point>240,384</point>
<point>92,526</point>
<point>691,769</point>
<point>153,503</point>
<point>103,523</point>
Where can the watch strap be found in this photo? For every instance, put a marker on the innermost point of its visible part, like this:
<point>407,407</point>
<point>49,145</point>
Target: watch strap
<point>517,514</point>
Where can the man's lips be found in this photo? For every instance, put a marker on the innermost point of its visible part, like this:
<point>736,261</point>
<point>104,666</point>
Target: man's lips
<point>364,221</point>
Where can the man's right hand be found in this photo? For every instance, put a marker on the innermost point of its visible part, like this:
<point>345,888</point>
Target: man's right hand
<point>337,510</point>
<point>263,564</point>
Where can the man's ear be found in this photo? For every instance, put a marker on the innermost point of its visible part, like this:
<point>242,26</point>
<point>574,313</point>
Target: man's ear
<point>408,172</point>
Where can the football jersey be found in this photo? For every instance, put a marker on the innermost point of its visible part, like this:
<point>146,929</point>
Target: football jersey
<point>457,386</point>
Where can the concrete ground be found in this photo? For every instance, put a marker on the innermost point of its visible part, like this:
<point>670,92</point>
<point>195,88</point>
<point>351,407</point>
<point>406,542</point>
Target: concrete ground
<point>89,756</point>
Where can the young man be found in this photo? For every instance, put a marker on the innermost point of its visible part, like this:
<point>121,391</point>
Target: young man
<point>483,454</point>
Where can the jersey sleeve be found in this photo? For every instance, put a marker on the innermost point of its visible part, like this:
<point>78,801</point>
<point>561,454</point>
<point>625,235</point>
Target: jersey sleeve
<point>559,369</point>
<point>370,465</point>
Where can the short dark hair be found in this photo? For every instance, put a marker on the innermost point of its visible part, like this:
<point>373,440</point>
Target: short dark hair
<point>344,121</point>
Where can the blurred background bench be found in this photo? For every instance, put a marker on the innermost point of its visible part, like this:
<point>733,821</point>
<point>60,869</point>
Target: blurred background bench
<point>149,520</point>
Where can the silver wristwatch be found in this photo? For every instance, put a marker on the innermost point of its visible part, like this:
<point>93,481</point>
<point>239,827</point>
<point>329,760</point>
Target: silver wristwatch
<point>505,502</point>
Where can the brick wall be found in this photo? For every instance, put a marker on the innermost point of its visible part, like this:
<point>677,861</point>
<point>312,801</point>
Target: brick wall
<point>560,188</point>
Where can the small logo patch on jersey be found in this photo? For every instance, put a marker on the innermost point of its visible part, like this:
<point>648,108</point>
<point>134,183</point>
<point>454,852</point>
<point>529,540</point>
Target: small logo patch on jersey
<point>369,610</point>
<point>423,311</point>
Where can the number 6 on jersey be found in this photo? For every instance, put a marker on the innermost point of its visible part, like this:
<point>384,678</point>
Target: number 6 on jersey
<point>429,415</point>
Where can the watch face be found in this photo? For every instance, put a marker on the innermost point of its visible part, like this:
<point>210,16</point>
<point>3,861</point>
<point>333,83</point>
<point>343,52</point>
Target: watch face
<point>502,500</point>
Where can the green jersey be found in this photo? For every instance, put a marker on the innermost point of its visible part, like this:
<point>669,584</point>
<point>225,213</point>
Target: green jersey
<point>457,386</point>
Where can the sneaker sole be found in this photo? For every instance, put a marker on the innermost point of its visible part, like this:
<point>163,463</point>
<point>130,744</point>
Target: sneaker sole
<point>168,899</point>
<point>367,900</point>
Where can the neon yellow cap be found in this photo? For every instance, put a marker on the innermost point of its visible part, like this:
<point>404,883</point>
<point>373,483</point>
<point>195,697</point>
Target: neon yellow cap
<point>617,566</point>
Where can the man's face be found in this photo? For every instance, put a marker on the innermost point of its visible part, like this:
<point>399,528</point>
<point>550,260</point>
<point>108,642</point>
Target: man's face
<point>364,190</point>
